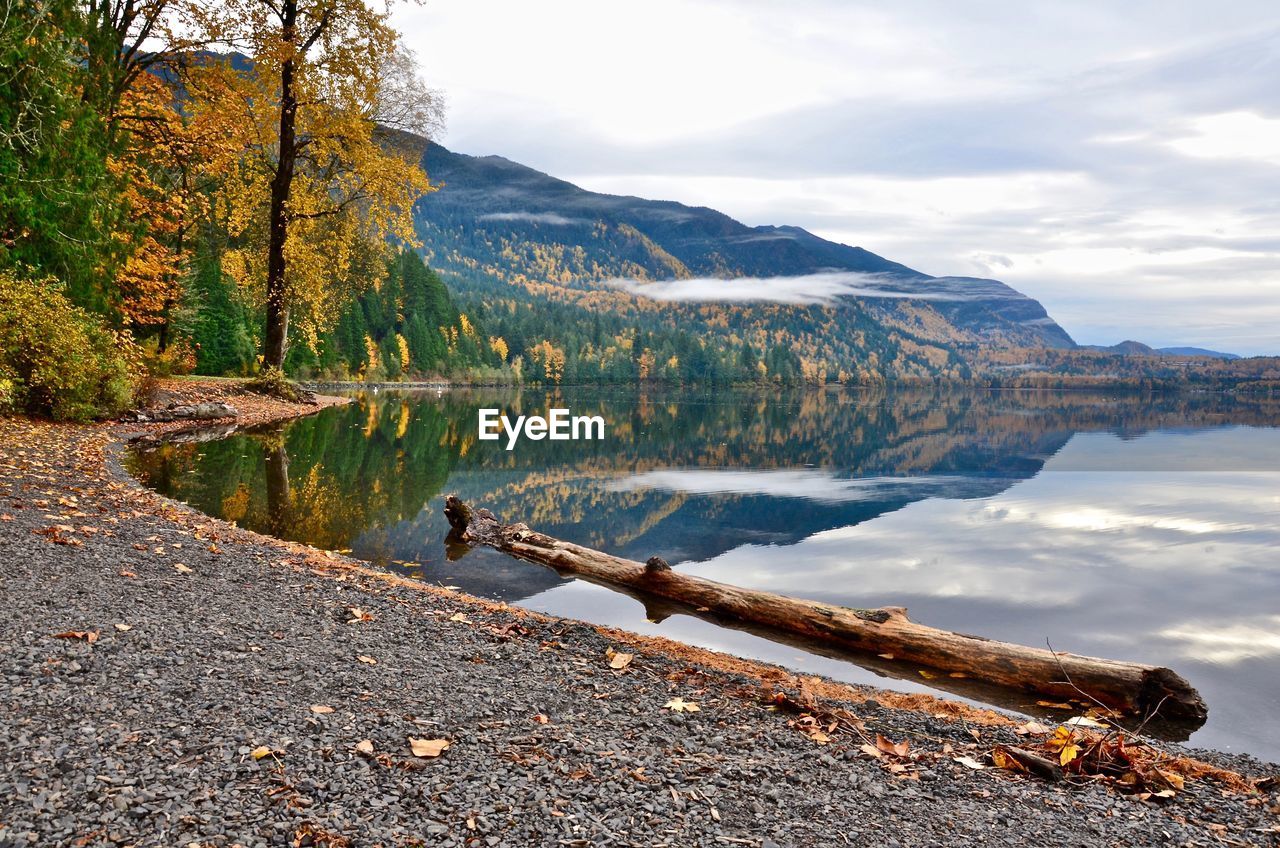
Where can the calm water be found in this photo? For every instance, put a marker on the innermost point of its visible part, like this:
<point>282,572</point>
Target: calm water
<point>1122,527</point>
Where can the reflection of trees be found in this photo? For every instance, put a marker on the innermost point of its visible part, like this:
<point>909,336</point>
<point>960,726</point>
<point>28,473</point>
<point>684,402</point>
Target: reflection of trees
<point>361,470</point>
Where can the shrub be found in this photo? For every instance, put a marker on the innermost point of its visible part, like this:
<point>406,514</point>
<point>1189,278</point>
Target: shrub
<point>59,360</point>
<point>178,358</point>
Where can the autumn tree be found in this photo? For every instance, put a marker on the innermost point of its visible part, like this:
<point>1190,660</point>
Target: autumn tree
<point>328,181</point>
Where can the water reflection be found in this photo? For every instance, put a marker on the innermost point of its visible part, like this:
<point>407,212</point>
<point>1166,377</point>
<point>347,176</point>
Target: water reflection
<point>1128,527</point>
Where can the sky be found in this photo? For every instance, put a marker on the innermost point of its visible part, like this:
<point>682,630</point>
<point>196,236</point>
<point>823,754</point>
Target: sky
<point>1119,162</point>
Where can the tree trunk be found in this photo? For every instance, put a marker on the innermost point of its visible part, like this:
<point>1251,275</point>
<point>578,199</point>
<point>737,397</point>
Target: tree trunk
<point>1129,688</point>
<point>277,330</point>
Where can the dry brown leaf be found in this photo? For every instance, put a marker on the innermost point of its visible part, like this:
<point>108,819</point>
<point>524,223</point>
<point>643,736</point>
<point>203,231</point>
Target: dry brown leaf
<point>367,660</point>
<point>427,748</point>
<point>124,628</point>
<point>457,616</point>
<point>680,705</point>
<point>260,752</point>
<point>1032,728</point>
<point>321,709</point>
<point>871,750</point>
<point>365,746</point>
<point>541,719</point>
<point>969,762</point>
<point>89,636</point>
<point>897,749</point>
<point>182,568</point>
<point>356,615</point>
<point>620,660</point>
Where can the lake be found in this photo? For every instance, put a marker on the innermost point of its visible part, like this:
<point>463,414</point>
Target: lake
<point>1136,528</point>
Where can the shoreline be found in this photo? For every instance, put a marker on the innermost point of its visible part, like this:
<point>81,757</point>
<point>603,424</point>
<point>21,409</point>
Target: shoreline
<point>236,653</point>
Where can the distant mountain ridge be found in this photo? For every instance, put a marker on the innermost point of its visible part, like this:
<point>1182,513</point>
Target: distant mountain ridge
<point>496,222</point>
<point>1132,348</point>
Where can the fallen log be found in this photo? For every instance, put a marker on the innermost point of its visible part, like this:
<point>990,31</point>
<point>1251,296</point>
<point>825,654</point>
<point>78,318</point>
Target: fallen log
<point>1128,688</point>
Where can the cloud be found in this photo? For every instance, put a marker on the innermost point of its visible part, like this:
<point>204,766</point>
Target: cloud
<point>823,287</point>
<point>820,486</point>
<point>532,217</point>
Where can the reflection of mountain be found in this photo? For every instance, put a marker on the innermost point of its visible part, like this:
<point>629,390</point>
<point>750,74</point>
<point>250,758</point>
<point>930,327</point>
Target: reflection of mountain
<point>683,477</point>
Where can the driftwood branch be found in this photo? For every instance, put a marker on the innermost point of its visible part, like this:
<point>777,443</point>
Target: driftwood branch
<point>1129,688</point>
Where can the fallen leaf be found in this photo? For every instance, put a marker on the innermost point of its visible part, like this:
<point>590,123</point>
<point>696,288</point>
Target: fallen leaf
<point>355,615</point>
<point>1055,705</point>
<point>870,750</point>
<point>182,568</point>
<point>365,746</point>
<point>969,762</point>
<point>541,719</point>
<point>1032,728</point>
<point>1001,759</point>
<point>260,752</point>
<point>89,636</point>
<point>427,747</point>
<point>620,660</point>
<point>886,656</point>
<point>367,660</point>
<point>680,705</point>
<point>321,709</point>
<point>927,675</point>
<point>126,573</point>
<point>457,616</point>
<point>897,749</point>
<point>124,628</point>
<point>1084,721</point>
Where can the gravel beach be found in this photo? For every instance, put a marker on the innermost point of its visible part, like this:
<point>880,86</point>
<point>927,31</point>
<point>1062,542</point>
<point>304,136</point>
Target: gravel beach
<point>167,679</point>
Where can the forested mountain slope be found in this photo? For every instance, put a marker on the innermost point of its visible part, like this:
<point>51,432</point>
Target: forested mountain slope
<point>559,274</point>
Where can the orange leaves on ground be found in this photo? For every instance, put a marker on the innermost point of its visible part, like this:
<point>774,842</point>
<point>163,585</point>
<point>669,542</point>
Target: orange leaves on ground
<point>427,748</point>
<point>355,615</point>
<point>1063,743</point>
<point>896,749</point>
<point>59,534</point>
<point>540,718</point>
<point>89,636</point>
<point>617,659</point>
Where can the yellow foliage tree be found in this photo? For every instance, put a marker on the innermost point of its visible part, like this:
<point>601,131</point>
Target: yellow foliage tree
<point>330,180</point>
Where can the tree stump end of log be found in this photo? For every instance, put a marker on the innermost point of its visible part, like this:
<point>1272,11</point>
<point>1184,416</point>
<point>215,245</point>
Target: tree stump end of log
<point>1166,694</point>
<point>458,513</point>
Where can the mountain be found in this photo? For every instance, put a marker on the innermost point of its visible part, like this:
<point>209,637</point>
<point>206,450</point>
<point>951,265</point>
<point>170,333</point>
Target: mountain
<point>510,239</point>
<point>1132,348</point>
<point>1197,351</point>
<point>1125,348</point>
